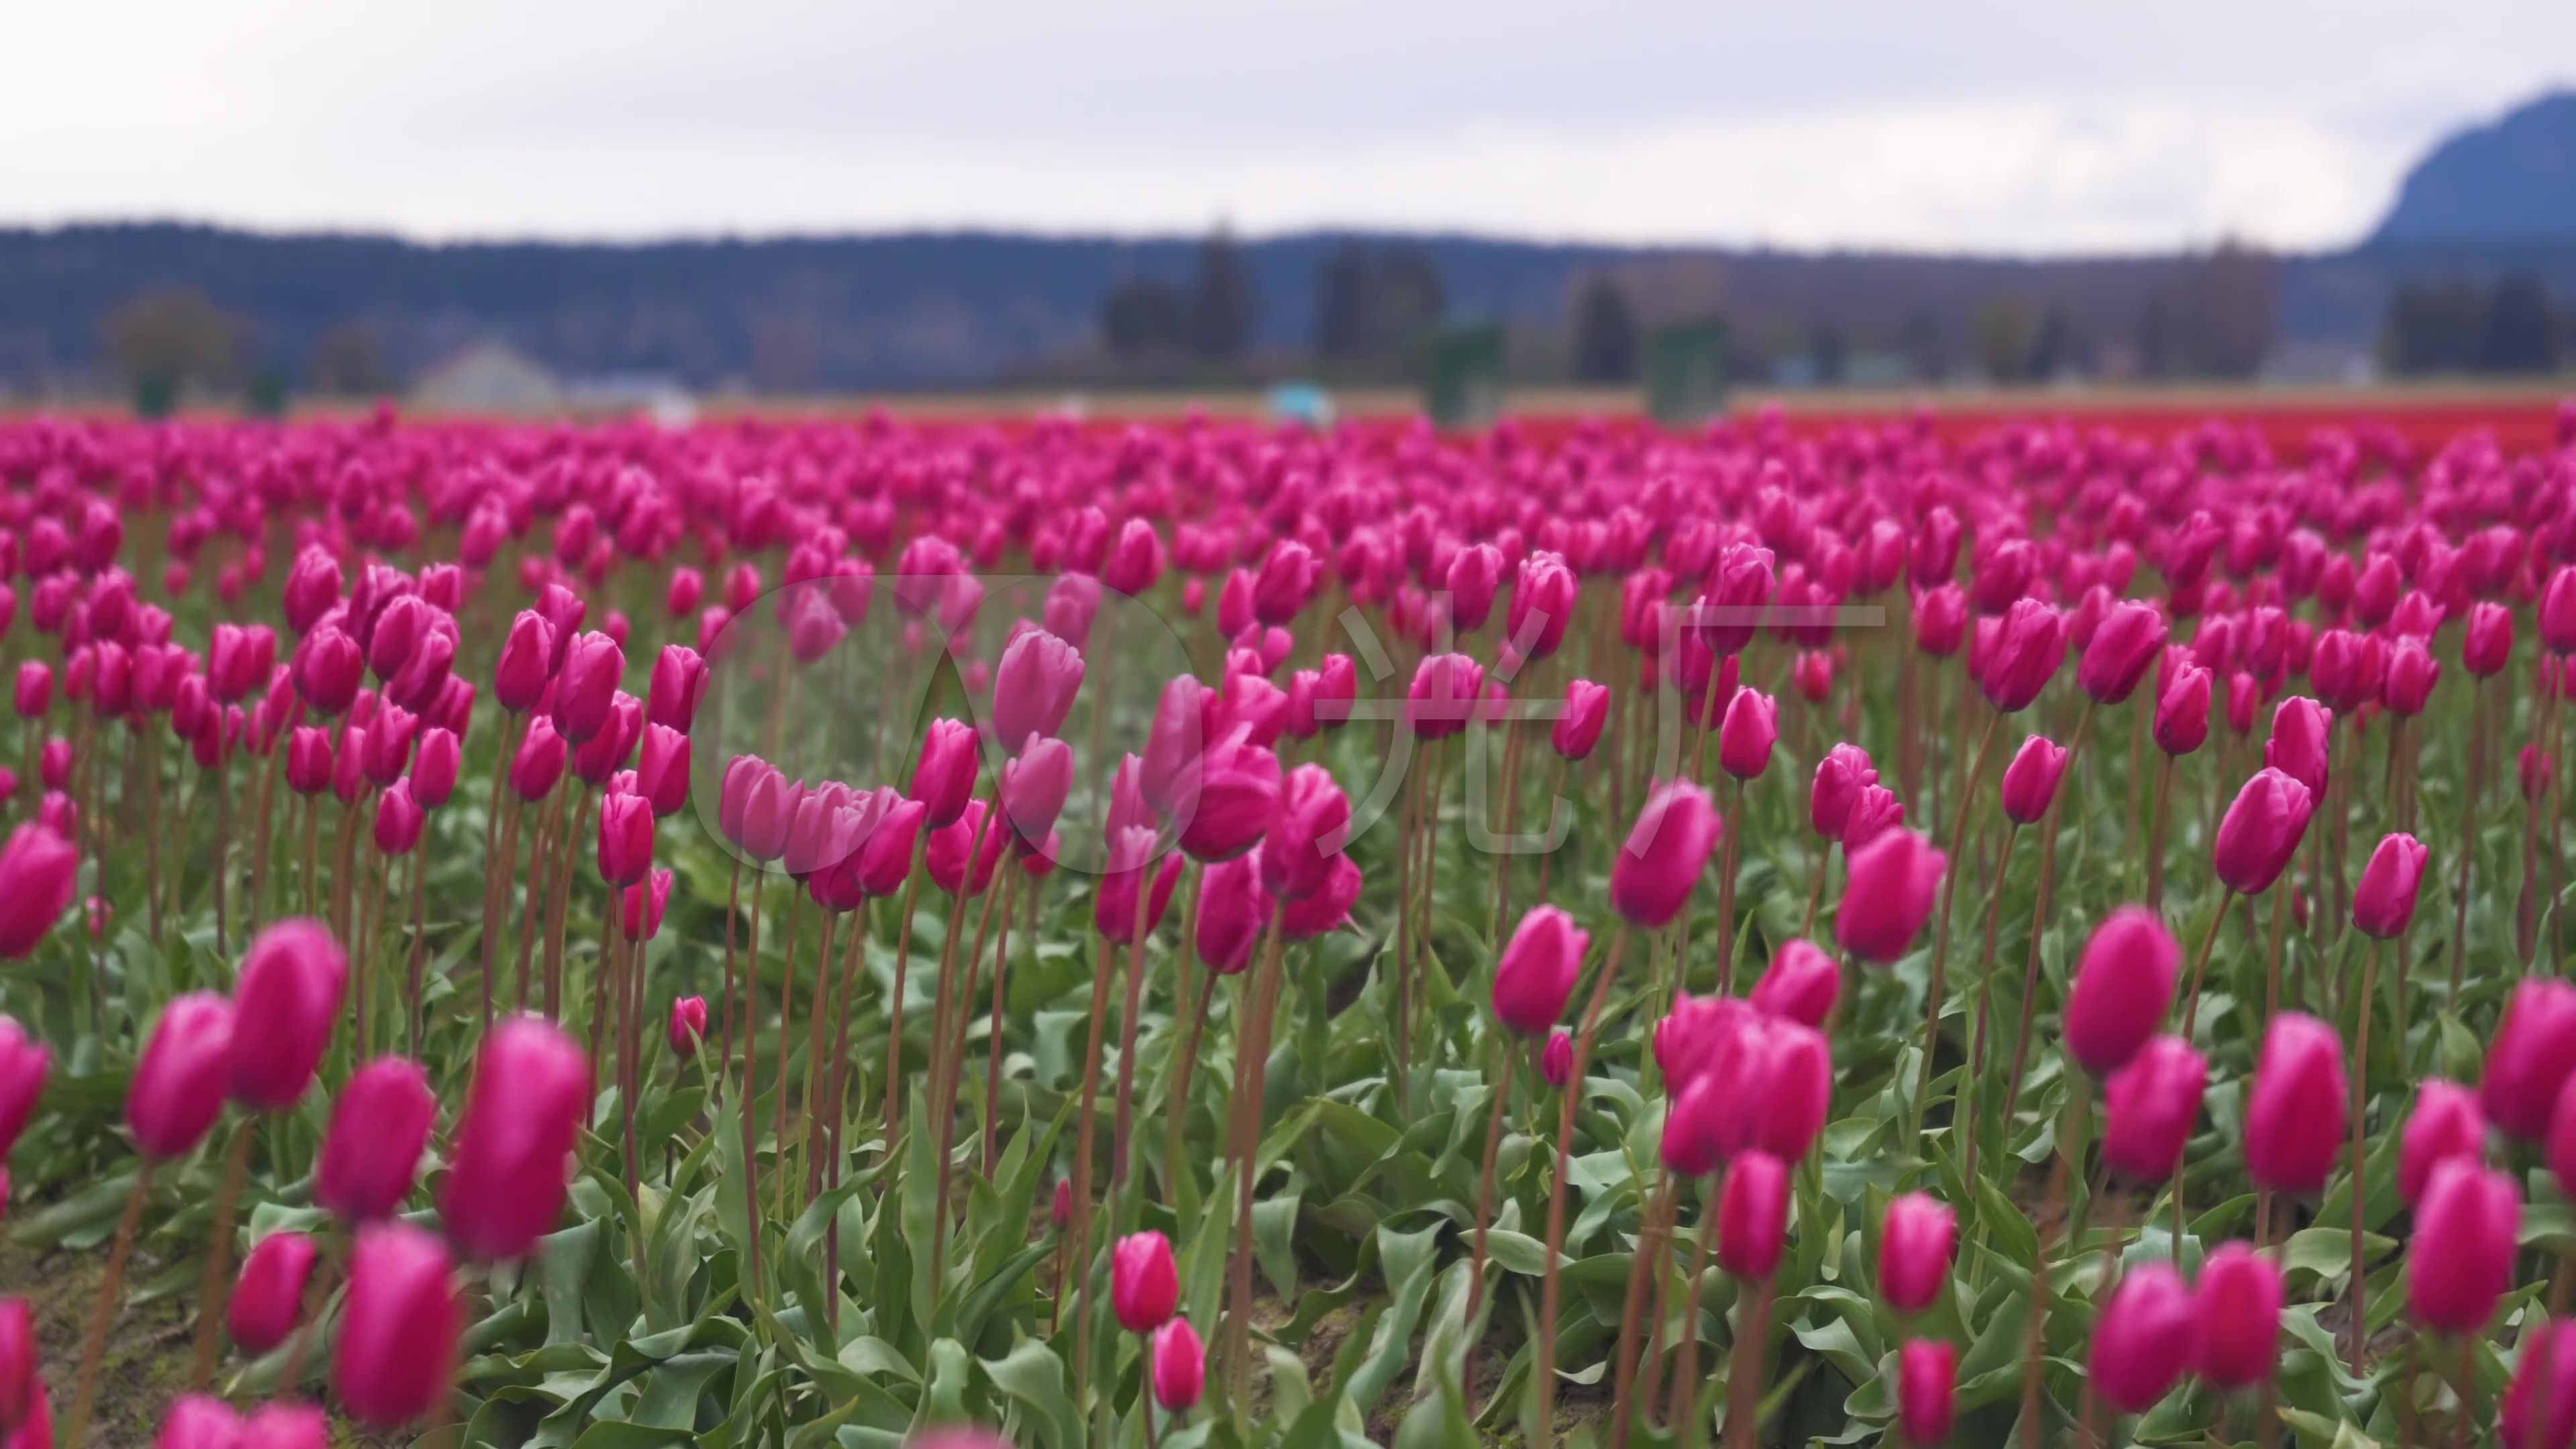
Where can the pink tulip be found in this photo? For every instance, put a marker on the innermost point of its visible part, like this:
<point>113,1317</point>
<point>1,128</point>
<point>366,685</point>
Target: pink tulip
<point>2030,781</point>
<point>2460,1260</point>
<point>1556,1059</point>
<point>268,1299</point>
<point>1840,777</point>
<point>1801,984</point>
<point>1892,883</point>
<point>1034,688</point>
<point>688,1026</point>
<point>1537,970</point>
<point>2544,1371</point>
<point>944,779</point>
<point>2261,831</point>
<point>2122,986</point>
<point>285,1005</point>
<point>1745,739</point>
<point>38,872</point>
<point>2143,1338</point>
<point>1753,1215</point>
<point>2530,1057</point>
<point>178,1083</point>
<point>1914,1247</point>
<point>1144,1283</point>
<point>1669,846</point>
<point>2149,1106</point>
<point>1926,1370</point>
<point>512,1151</point>
<point>1578,729</point>
<point>2238,1308</point>
<point>1179,1366</point>
<point>371,1154</point>
<point>2445,1123</point>
<point>2294,1115</point>
<point>24,1063</point>
<point>398,1330</point>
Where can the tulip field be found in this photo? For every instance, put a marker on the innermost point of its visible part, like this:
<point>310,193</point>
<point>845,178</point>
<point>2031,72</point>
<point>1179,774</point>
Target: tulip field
<point>1198,935</point>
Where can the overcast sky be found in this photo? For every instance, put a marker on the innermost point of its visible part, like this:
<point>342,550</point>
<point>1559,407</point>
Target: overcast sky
<point>1994,125</point>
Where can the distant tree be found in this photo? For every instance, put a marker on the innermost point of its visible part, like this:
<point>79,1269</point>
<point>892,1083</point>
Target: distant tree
<point>1143,318</point>
<point>2003,337</point>
<point>1605,334</point>
<point>2227,300</point>
<point>2155,342</point>
<point>2433,327</point>
<point>346,363</point>
<point>1924,345</point>
<point>1222,308</point>
<point>2061,347</point>
<point>167,339</point>
<point>1831,350</point>
<point>2518,334</point>
<point>1404,299</point>
<point>1341,303</point>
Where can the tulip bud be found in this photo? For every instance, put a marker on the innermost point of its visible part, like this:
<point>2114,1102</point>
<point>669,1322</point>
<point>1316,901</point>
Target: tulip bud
<point>1034,688</point>
<point>268,1299</point>
<point>2530,1057</point>
<point>285,1005</point>
<point>1914,1247</point>
<point>2149,1106</point>
<point>1132,858</point>
<point>2446,1123</point>
<point>1800,985</point>
<point>539,763</point>
<point>1180,1366</point>
<point>944,779</point>
<point>1060,1212</point>
<point>178,1084</point>
<point>1144,1283</point>
<point>1890,885</point>
<point>1307,834</point>
<point>1840,777</point>
<point>688,1025</point>
<point>1656,869</point>
<point>1443,695</point>
<point>513,1144</point>
<point>398,1329</point>
<point>2294,1115</point>
<point>1537,970</point>
<point>2143,1338</point>
<point>23,1065</point>
<point>434,765</point>
<point>2122,984</point>
<point>39,870</point>
<point>20,1391</point>
<point>2460,1260</point>
<point>662,770</point>
<point>1744,741</point>
<point>2558,611</point>
<point>679,681</point>
<point>1228,799</point>
<point>2238,1309</point>
<point>886,859</point>
<point>2030,781</point>
<point>371,1154</point>
<point>2030,644</point>
<point>686,588</point>
<point>586,686</point>
<point>1556,1059</point>
<point>399,819</point>
<point>2261,831</point>
<point>1926,1369</point>
<point>1287,578</point>
<point>640,906</point>
<point>1578,730</point>
<point>2124,646</point>
<point>2301,730</point>
<point>196,1421</point>
<point>625,839</point>
<point>2487,646</point>
<point>1034,788</point>
<point>1753,1215</point>
<point>2182,712</point>
<point>527,653</point>
<point>35,688</point>
<point>328,670</point>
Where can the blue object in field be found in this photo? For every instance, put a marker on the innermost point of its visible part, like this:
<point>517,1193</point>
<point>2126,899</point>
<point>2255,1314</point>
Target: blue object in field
<point>1300,402</point>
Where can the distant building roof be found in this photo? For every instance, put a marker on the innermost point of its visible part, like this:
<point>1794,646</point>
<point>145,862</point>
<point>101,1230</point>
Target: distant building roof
<point>488,377</point>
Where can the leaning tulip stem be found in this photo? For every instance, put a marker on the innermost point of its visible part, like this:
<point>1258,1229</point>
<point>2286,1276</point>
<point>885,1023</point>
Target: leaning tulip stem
<point>1485,1182</point>
<point>1725,896</point>
<point>102,1308</point>
<point>1251,1066</point>
<point>850,958</point>
<point>944,1081</point>
<point>1941,930</point>
<point>894,1003</point>
<point>2031,1435</point>
<point>1644,1263</point>
<point>1985,1000</point>
<point>817,1016</point>
<point>1816,887</point>
<point>1744,1375</point>
<point>1685,1406</point>
<point>786,1037</point>
<point>219,1243</point>
<point>1547,858</point>
<point>1134,1007</point>
<point>2468,834</point>
<point>2272,958</point>
<point>1404,928</point>
<point>2030,980</point>
<point>993,1028</point>
<point>1104,958</point>
<point>1542,1428</point>
<point>2200,962</point>
<point>1177,1087</point>
<point>419,869</point>
<point>2360,1095</point>
<point>724,1044</point>
<point>2156,823</point>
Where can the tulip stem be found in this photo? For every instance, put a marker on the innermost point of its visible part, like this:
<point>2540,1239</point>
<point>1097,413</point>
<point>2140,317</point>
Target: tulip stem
<point>103,1307</point>
<point>786,1039</point>
<point>2360,1095</point>
<point>751,1080</point>
<point>1685,1416</point>
<point>894,1003</point>
<point>2200,962</point>
<point>1485,1183</point>
<point>496,878</point>
<point>1177,1086</point>
<point>1941,931</point>
<point>2030,981</point>
<point>2156,823</point>
<point>724,1050</point>
<point>1542,1425</point>
<point>1138,929</point>
<point>419,869</point>
<point>219,1242</point>
<point>1252,1075</point>
<point>1103,963</point>
<point>851,955</point>
<point>1404,932</point>
<point>2033,1342</point>
<point>1651,1235</point>
<point>953,1053</point>
<point>1744,1375</point>
<point>1985,1000</point>
<point>817,1015</point>
<point>993,1028</point>
<point>1547,858</point>
<point>1726,895</point>
<point>560,904</point>
<point>541,864</point>
<point>2468,832</point>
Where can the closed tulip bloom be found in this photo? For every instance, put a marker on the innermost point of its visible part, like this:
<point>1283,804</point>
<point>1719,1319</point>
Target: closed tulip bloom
<point>679,681</point>
<point>268,1299</point>
<point>54,763</point>
<point>1233,910</point>
<point>944,779</point>
<point>329,667</point>
<point>527,655</point>
<point>625,839</point>
<point>2460,1260</point>
<point>1443,695</point>
<point>539,762</point>
<point>196,1421</point>
<point>945,854</point>
<point>586,687</point>
<point>1180,1366</point>
<point>20,1388</point>
<point>1700,1132</point>
<point>1751,728</point>
<point>1034,687</point>
<point>886,859</point>
<point>1874,812</point>
<point>2238,1308</point>
<point>1556,1059</point>
<point>397,1340</point>
<point>2294,1115</point>
<point>1940,620</point>
<point>1891,885</point>
<point>2030,781</point>
<point>1134,870</point>
<point>1753,1215</point>
<point>2149,1106</point>
<point>371,1154</point>
<point>1926,1369</point>
<point>399,819</point>
<point>434,764</point>
<point>686,588</point>
<point>1287,578</point>
<point>2123,648</point>
<point>2529,1057</point>
<point>1914,1246</point>
<point>688,1026</point>
<point>2487,645</point>
<point>2144,1338</point>
<point>2122,985</point>
<point>1135,561</point>
<point>512,1151</point>
<point>1543,602</point>
<point>1840,777</point>
<point>284,1006</point>
<point>2544,1371</point>
<point>1034,788</point>
<point>178,1084</point>
<point>1796,1087</point>
<point>38,872</point>
<point>2558,611</point>
<point>1475,574</point>
<point>2261,831</point>
<point>2384,902</point>
<point>2029,646</point>
<point>1144,1283</point>
<point>24,1062</point>
<point>1578,730</point>
<point>2300,731</point>
<point>1693,1037</point>
<point>639,909</point>
<point>1800,985</point>
<point>1538,969</point>
<point>35,688</point>
<point>57,813</point>
<point>2412,673</point>
<point>282,1425</point>
<point>662,770</point>
<point>1306,836</point>
<point>1327,910</point>
<point>1231,795</point>
<point>2182,712</point>
<point>2446,1123</point>
<point>1666,850</point>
